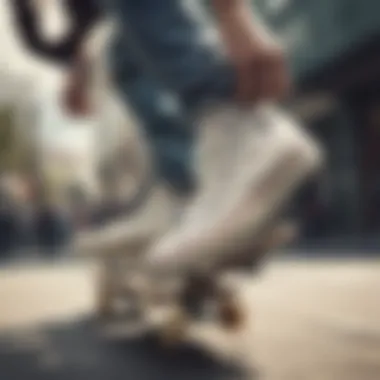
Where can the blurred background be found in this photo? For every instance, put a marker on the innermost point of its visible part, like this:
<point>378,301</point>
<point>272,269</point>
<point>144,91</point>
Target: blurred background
<point>334,50</point>
<point>59,175</point>
<point>51,162</point>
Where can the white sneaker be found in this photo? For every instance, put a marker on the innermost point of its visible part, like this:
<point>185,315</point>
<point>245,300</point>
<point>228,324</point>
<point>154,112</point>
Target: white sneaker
<point>216,162</point>
<point>133,233</point>
<point>242,190</point>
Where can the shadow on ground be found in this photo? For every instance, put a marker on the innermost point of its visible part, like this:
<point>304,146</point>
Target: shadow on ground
<point>75,351</point>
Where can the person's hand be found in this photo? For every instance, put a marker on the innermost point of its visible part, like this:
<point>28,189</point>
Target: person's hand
<point>76,99</point>
<point>261,71</point>
<point>259,61</point>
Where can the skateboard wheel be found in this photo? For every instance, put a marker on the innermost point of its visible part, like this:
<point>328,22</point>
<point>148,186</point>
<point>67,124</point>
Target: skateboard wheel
<point>231,313</point>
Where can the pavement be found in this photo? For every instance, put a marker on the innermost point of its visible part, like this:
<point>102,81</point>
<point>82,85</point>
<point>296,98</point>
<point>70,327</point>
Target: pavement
<point>309,319</point>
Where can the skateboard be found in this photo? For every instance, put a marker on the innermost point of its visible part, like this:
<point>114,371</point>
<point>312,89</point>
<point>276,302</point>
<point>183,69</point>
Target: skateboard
<point>168,307</point>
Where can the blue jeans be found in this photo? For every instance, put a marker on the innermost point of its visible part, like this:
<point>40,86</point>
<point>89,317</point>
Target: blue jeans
<point>166,71</point>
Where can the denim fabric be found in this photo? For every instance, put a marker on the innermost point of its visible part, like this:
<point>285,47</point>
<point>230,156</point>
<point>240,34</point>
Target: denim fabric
<point>166,68</point>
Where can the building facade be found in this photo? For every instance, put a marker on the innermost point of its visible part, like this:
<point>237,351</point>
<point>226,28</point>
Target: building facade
<point>334,50</point>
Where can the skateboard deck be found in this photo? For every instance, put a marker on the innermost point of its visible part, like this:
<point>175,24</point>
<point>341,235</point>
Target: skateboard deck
<point>169,309</point>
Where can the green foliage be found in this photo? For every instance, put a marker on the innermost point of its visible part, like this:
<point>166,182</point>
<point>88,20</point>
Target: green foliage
<point>13,152</point>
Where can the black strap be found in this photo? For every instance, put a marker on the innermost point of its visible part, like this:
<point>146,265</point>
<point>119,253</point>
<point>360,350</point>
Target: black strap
<point>62,52</point>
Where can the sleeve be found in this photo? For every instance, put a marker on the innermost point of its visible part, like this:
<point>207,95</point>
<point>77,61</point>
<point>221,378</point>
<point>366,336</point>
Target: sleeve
<point>60,52</point>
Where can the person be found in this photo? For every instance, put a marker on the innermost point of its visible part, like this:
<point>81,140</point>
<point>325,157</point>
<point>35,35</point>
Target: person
<point>163,52</point>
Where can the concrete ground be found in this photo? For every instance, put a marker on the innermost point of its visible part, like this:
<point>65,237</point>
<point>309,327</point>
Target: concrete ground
<point>308,319</point>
